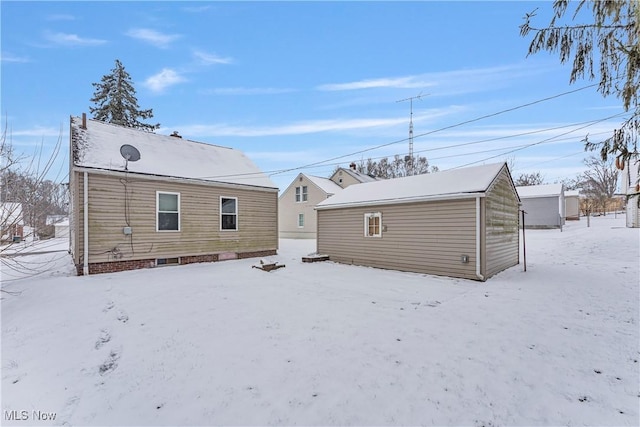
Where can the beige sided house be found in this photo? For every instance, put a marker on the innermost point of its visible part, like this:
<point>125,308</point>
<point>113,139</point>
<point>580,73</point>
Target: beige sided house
<point>296,213</point>
<point>296,205</point>
<point>141,199</point>
<point>458,223</point>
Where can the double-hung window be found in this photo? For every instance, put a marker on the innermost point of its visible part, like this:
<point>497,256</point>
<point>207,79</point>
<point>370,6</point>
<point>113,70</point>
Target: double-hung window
<point>301,193</point>
<point>300,220</point>
<point>167,211</point>
<point>229,213</point>
<point>373,224</point>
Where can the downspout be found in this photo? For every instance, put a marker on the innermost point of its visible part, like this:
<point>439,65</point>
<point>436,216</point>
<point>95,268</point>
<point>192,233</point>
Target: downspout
<point>478,235</point>
<point>85,201</point>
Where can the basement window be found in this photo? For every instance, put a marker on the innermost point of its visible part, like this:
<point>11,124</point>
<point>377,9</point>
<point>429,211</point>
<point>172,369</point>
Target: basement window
<point>167,261</point>
<point>373,224</point>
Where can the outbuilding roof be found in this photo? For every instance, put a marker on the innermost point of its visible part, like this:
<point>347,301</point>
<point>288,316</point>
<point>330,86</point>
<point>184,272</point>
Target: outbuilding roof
<point>98,146</point>
<point>453,183</point>
<point>544,190</point>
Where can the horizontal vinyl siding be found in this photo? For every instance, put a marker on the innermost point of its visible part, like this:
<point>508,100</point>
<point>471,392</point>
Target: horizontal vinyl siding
<point>502,234</point>
<point>199,220</point>
<point>288,210</point>
<point>420,237</point>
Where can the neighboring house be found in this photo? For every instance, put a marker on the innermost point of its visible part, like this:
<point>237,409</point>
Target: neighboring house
<point>572,205</point>
<point>458,223</point>
<point>345,177</point>
<point>140,199</point>
<point>11,222</point>
<point>631,190</point>
<point>543,205</point>
<point>61,228</point>
<point>296,213</point>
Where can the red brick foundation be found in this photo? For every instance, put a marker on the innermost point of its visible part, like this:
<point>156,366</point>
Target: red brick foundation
<point>116,266</point>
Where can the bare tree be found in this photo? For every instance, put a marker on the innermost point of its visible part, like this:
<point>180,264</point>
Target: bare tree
<point>28,183</point>
<point>599,182</point>
<point>525,179</point>
<point>395,168</point>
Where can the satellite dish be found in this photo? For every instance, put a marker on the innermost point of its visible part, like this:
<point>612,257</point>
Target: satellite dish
<point>130,153</point>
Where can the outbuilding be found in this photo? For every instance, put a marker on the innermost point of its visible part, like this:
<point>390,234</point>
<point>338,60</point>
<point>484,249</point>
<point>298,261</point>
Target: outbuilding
<point>631,189</point>
<point>572,205</point>
<point>543,205</point>
<point>458,223</point>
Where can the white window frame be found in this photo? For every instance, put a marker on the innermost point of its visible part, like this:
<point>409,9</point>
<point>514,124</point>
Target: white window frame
<point>158,212</point>
<point>302,193</point>
<point>300,216</point>
<point>367,219</point>
<point>236,214</point>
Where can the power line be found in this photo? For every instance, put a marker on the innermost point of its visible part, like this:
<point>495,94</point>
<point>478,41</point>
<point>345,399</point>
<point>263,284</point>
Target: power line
<point>327,161</point>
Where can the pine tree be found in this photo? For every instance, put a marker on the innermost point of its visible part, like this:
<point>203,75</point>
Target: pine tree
<point>115,101</point>
<point>606,44</point>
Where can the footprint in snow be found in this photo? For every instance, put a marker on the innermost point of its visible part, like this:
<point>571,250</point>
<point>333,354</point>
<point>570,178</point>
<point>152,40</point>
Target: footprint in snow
<point>104,338</point>
<point>110,364</point>
<point>123,317</point>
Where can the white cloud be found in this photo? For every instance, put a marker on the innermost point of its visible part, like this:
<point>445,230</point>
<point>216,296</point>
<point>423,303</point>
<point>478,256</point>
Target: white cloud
<point>8,57</point>
<point>196,9</point>
<point>211,58</point>
<point>390,82</point>
<point>60,17</point>
<point>247,91</point>
<point>442,83</point>
<point>153,37</point>
<point>165,78</point>
<point>300,128</point>
<point>72,40</point>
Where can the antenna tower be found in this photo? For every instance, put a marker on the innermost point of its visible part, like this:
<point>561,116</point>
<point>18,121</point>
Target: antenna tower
<point>409,158</point>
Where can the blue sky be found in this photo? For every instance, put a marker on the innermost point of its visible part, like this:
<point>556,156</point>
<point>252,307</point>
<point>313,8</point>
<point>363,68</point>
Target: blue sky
<point>299,83</point>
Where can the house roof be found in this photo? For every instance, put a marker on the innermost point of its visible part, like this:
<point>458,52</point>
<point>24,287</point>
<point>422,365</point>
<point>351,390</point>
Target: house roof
<point>98,146</point>
<point>11,213</point>
<point>325,184</point>
<point>572,193</point>
<point>359,175</point>
<point>544,190</point>
<point>454,183</point>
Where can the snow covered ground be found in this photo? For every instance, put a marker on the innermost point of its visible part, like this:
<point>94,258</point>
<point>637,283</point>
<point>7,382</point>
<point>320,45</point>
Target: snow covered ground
<point>330,344</point>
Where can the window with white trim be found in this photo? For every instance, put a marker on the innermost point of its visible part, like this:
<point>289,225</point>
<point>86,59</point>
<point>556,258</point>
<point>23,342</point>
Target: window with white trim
<point>300,220</point>
<point>167,211</point>
<point>373,224</point>
<point>229,213</point>
<point>301,193</point>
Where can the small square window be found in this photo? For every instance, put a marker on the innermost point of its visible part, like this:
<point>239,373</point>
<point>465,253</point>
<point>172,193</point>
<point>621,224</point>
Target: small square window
<point>373,224</point>
<point>301,193</point>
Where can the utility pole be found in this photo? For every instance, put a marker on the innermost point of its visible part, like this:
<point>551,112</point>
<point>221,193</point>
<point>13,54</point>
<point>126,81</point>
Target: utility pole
<point>409,158</point>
